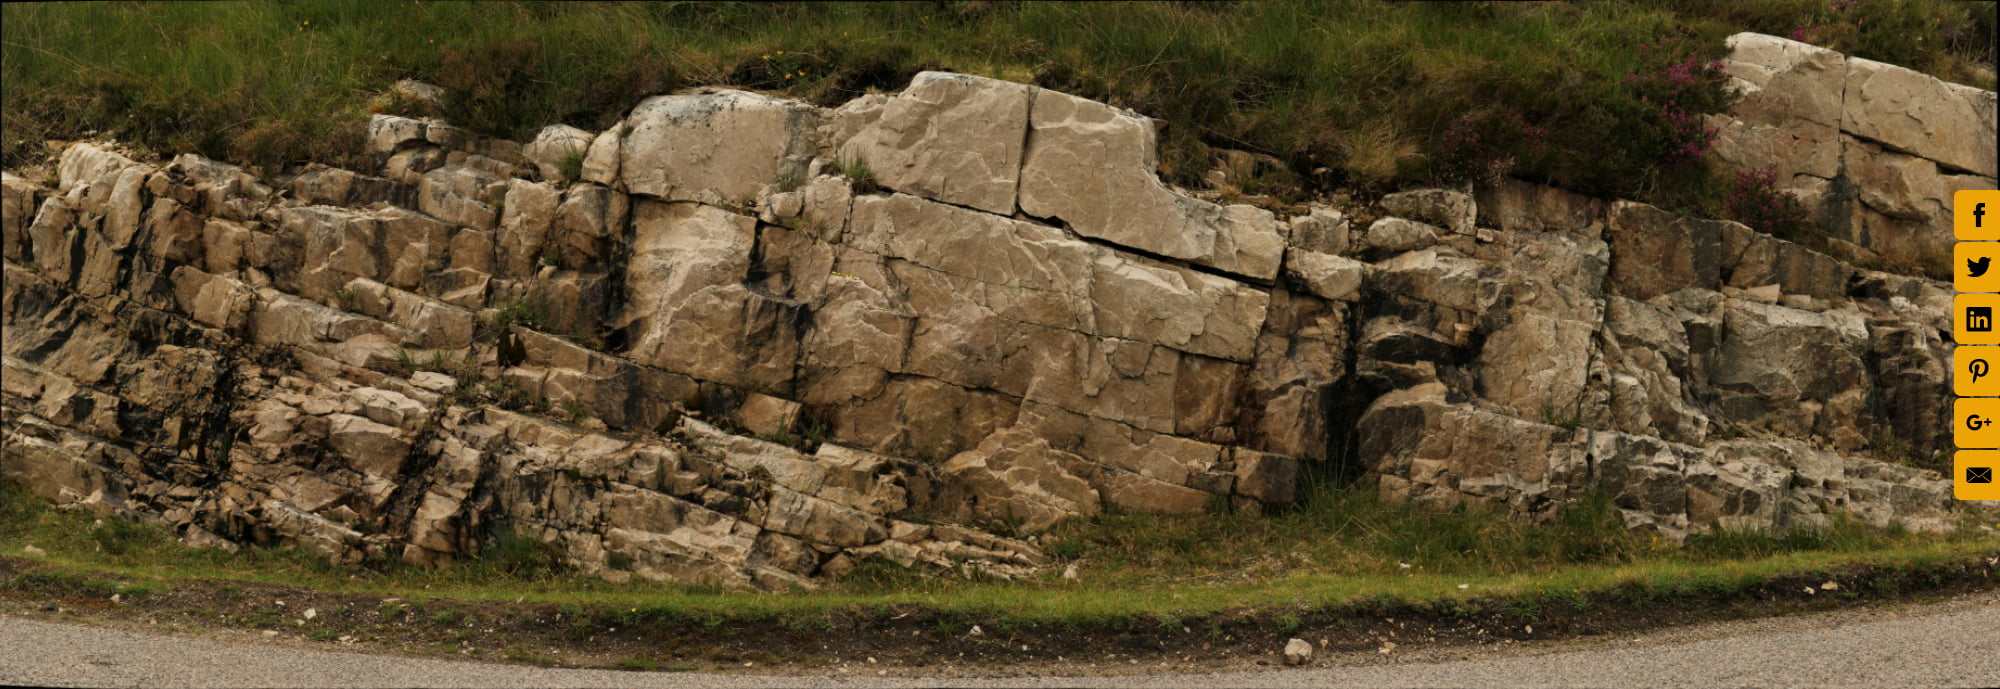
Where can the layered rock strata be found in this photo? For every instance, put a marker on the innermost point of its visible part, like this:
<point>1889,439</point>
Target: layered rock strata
<point>1875,151</point>
<point>724,353</point>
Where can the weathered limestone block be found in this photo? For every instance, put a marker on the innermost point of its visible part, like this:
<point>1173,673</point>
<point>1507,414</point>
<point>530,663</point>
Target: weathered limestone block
<point>1091,166</point>
<point>1452,210</point>
<point>389,133</point>
<point>458,195</point>
<point>1648,361</point>
<point>1397,235</point>
<point>1914,112</point>
<point>588,217</point>
<point>1430,451</point>
<point>717,147</point>
<point>524,226</point>
<point>18,206</point>
<point>213,300</point>
<point>1536,367</point>
<point>1655,252</point>
<point>1109,378</point>
<point>1176,307</point>
<point>1779,80</point>
<point>949,137</point>
<point>1327,276</point>
<point>1751,259</point>
<point>1324,230</point>
<point>1796,373</point>
<point>1015,477</point>
<point>557,146</point>
<point>600,161</point>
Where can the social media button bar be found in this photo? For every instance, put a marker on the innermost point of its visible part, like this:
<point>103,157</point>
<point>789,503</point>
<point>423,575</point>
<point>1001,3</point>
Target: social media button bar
<point>1973,474</point>
<point>1975,214</point>
<point>1975,422</point>
<point>1976,266</point>
<point>1972,317</point>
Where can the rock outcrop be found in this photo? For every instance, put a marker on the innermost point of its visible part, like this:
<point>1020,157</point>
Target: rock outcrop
<point>1875,151</point>
<point>1022,324</point>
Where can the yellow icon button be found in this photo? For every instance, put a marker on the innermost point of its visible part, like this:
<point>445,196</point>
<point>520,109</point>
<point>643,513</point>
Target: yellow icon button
<point>1975,422</point>
<point>1973,475</point>
<point>1975,266</point>
<point>1975,371</point>
<point>1973,319</point>
<point>1975,214</point>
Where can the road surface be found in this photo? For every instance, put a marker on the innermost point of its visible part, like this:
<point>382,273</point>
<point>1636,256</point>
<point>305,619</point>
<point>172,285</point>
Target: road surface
<point>1951,643</point>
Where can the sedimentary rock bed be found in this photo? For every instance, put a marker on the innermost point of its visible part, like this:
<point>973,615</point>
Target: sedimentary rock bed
<point>719,356</point>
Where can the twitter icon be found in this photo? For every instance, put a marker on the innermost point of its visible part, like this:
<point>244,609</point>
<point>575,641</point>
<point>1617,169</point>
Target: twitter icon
<point>1975,261</point>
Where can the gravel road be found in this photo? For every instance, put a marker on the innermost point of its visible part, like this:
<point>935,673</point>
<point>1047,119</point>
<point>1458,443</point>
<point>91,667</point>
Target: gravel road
<point>1952,643</point>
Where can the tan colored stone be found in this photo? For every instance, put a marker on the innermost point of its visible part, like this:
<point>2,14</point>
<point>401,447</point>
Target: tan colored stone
<point>1914,112</point>
<point>457,195</point>
<point>1091,166</point>
<point>954,138</point>
<point>1451,210</point>
<point>1781,80</point>
<point>524,226</point>
<point>1325,275</point>
<point>1015,477</point>
<point>717,146</point>
<point>554,146</point>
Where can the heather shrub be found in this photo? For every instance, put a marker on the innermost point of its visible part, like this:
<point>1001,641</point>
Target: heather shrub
<point>1754,199</point>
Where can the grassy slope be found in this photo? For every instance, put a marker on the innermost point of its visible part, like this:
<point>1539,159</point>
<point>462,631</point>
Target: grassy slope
<point>1341,94</point>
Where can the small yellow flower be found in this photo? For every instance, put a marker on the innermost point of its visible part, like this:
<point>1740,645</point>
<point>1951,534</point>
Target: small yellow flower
<point>781,52</point>
<point>767,56</point>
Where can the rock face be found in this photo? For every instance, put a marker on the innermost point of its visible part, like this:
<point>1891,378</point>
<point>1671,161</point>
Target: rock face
<point>1874,150</point>
<point>1023,325</point>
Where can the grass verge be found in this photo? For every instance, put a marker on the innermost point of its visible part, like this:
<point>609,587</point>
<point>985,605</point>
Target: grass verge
<point>1136,597</point>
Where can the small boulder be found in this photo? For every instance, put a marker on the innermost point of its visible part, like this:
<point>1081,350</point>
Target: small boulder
<point>1452,210</point>
<point>1297,652</point>
<point>559,151</point>
<point>1396,235</point>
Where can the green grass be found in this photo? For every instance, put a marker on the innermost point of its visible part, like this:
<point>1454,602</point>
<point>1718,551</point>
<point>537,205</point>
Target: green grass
<point>1339,550</point>
<point>1344,94</point>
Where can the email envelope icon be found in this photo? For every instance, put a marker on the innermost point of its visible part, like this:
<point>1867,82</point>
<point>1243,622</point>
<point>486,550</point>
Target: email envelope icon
<point>1979,474</point>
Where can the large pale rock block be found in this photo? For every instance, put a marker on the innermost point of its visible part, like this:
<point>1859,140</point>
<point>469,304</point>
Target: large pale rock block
<point>1537,366</point>
<point>457,195</point>
<point>1916,113</point>
<point>1796,373</point>
<point>1779,80</point>
<point>1015,477</point>
<point>1176,307</point>
<point>525,219</point>
<point>677,250</point>
<point>949,137</point>
<point>88,164</point>
<point>1092,167</point>
<point>1794,148</point>
<point>717,147</point>
<point>1430,451</point>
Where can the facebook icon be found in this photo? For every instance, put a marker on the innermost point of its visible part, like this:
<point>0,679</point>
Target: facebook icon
<point>1978,214</point>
